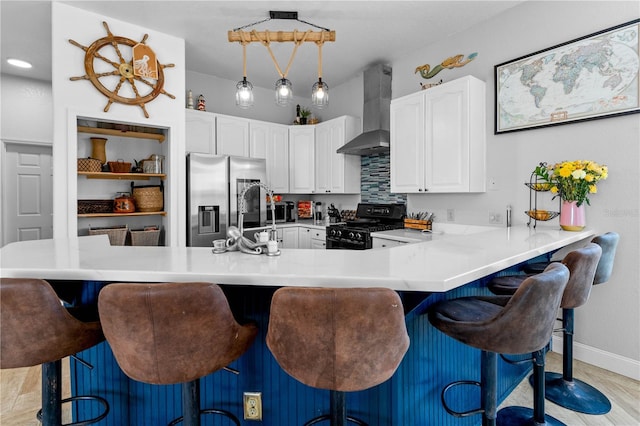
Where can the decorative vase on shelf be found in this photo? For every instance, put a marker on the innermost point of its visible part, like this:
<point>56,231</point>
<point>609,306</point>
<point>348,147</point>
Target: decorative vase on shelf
<point>98,149</point>
<point>572,216</point>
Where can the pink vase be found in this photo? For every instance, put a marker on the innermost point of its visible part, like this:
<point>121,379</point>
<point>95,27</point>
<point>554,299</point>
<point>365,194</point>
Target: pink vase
<point>572,216</point>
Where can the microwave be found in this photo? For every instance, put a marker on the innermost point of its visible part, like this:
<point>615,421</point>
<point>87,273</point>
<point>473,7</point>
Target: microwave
<point>280,213</point>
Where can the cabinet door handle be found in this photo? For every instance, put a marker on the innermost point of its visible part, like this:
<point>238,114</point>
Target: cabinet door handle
<point>419,189</point>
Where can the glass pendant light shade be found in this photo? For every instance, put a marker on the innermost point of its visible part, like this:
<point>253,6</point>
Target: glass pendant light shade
<point>320,94</point>
<point>284,92</point>
<point>244,93</point>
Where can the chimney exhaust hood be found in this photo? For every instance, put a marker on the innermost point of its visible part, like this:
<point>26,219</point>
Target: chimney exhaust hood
<point>376,111</point>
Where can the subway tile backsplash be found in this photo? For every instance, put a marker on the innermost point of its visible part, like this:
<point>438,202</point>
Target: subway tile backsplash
<point>375,183</point>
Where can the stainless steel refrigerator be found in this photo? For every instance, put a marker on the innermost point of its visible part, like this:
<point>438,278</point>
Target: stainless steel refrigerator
<point>214,184</point>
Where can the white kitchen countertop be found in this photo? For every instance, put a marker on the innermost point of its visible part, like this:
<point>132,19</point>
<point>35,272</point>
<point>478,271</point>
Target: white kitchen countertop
<point>439,231</point>
<point>451,259</point>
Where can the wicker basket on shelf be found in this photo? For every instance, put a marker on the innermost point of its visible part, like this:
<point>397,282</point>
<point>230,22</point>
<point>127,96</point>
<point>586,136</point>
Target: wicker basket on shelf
<point>148,198</point>
<point>89,165</point>
<point>117,234</point>
<point>119,166</point>
<point>95,206</point>
<point>143,237</point>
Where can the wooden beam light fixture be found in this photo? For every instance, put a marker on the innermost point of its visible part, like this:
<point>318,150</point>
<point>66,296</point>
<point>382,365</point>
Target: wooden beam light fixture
<point>284,88</point>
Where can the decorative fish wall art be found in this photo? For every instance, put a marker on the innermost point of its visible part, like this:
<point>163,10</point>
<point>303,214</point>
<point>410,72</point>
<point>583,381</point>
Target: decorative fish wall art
<point>449,63</point>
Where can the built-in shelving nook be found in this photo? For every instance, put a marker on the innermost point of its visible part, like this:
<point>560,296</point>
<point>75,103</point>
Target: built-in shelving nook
<point>128,147</point>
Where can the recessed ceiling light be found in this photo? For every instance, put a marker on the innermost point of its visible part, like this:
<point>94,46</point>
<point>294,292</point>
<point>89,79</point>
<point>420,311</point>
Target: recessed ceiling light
<point>18,63</point>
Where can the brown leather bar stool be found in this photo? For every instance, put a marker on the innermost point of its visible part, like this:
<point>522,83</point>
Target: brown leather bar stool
<point>173,333</point>
<point>563,389</point>
<point>522,323</point>
<point>338,339</point>
<point>36,329</point>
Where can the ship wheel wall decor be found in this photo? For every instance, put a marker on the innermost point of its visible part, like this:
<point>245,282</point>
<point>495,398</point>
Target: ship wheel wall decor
<point>114,76</point>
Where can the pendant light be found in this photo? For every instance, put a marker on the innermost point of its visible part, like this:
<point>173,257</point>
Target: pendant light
<point>244,89</point>
<point>284,88</point>
<point>284,92</point>
<point>320,90</point>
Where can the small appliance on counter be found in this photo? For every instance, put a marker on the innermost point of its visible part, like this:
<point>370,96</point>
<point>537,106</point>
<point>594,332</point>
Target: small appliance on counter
<point>280,210</point>
<point>356,234</point>
<point>318,212</point>
<point>288,211</point>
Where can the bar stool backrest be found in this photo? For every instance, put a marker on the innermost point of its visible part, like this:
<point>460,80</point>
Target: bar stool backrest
<point>582,264</point>
<point>170,332</point>
<point>341,339</point>
<point>518,324</point>
<point>609,243</point>
<point>36,328</point>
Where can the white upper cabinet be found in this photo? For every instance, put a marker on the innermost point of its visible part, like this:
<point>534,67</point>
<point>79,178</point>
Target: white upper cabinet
<point>407,143</point>
<point>301,159</point>
<point>200,132</point>
<point>271,142</point>
<point>336,173</point>
<point>232,136</point>
<point>438,139</point>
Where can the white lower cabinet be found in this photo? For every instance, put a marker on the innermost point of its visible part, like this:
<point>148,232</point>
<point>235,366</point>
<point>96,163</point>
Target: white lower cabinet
<point>318,239</point>
<point>304,238</point>
<point>438,139</point>
<point>289,237</point>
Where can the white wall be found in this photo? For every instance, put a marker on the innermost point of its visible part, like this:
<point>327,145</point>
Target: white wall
<point>81,98</point>
<point>607,326</point>
<point>26,109</point>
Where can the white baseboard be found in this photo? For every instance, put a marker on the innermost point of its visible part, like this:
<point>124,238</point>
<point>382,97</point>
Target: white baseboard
<point>609,361</point>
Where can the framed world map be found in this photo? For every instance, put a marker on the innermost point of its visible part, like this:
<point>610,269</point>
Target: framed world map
<point>591,77</point>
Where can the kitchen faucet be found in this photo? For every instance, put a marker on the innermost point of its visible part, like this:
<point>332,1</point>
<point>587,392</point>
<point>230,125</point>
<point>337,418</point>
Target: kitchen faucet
<point>237,240</point>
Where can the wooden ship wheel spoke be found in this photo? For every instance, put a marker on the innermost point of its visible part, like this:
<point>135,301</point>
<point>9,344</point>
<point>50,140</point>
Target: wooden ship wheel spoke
<point>123,69</point>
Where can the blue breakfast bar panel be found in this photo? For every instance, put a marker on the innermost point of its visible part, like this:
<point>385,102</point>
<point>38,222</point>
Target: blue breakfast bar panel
<point>410,398</point>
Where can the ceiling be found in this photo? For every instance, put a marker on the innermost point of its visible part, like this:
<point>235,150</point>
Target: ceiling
<point>367,32</point>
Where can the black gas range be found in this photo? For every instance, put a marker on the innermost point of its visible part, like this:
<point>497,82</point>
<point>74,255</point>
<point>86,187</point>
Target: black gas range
<point>370,217</point>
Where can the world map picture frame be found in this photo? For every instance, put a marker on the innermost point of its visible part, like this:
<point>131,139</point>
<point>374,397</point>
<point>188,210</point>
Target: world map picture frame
<point>591,77</point>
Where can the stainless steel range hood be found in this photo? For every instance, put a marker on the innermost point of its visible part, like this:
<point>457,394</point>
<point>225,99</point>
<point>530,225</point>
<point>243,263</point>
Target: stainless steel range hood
<point>377,103</point>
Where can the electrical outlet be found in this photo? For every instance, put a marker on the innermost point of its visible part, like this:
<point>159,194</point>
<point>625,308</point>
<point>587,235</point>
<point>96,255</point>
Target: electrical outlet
<point>495,217</point>
<point>451,215</point>
<point>252,405</point>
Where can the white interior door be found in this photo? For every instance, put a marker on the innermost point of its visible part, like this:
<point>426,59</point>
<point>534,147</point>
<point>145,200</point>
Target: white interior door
<point>27,186</point>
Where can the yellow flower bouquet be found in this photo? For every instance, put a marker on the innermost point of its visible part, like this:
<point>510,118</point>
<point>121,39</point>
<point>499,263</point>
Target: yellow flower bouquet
<point>573,180</point>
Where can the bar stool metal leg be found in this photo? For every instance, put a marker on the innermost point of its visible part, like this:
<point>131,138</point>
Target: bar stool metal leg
<point>191,403</point>
<point>52,393</point>
<point>518,416</point>
<point>566,391</point>
<point>489,385</point>
<point>51,412</point>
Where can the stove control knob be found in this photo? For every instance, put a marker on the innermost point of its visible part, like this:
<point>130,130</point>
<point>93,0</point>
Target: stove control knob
<point>358,236</point>
<point>351,235</point>
<point>338,233</point>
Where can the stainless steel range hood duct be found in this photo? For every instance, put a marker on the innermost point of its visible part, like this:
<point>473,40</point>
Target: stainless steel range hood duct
<point>376,111</point>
